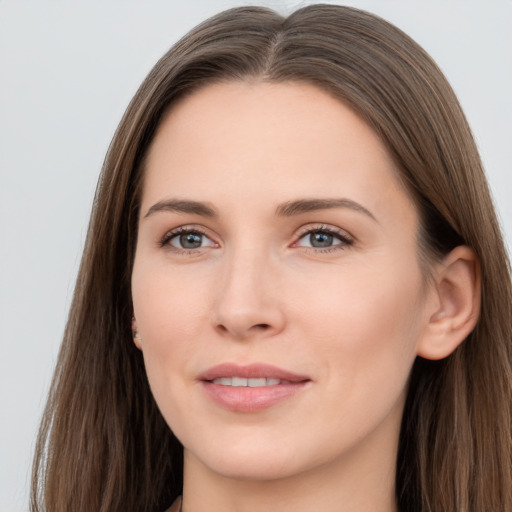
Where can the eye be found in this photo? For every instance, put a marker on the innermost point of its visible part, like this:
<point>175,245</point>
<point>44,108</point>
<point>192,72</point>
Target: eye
<point>187,239</point>
<point>324,238</point>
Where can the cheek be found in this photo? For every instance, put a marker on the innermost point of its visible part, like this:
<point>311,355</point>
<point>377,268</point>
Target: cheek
<point>365,324</point>
<point>361,332</point>
<point>355,299</point>
<point>171,313</point>
<point>167,305</point>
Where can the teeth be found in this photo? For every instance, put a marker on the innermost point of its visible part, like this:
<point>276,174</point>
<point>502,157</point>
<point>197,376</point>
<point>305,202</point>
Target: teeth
<point>252,383</point>
<point>256,383</point>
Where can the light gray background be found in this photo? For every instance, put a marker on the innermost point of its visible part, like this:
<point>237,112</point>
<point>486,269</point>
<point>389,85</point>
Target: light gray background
<point>67,72</point>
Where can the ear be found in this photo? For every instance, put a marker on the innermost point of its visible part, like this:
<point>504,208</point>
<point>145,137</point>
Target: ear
<point>456,304</point>
<point>135,334</point>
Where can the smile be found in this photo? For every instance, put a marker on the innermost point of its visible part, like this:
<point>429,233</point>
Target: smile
<point>251,383</point>
<point>251,388</point>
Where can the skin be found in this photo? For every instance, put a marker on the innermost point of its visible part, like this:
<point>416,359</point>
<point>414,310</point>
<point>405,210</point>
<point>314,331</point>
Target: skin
<point>352,317</point>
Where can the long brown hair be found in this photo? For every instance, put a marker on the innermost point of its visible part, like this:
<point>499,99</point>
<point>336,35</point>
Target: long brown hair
<point>103,445</point>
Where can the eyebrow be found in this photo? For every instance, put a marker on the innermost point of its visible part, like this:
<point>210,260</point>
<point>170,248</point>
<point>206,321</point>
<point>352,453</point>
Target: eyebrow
<point>182,206</point>
<point>288,209</point>
<point>300,206</point>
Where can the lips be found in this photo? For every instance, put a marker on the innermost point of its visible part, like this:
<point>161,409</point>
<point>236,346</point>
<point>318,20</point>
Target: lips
<point>256,382</point>
<point>250,388</point>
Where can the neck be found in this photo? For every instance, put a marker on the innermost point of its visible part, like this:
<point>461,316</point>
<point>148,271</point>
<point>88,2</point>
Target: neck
<point>362,482</point>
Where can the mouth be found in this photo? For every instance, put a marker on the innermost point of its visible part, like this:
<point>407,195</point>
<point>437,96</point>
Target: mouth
<point>251,388</point>
<point>240,382</point>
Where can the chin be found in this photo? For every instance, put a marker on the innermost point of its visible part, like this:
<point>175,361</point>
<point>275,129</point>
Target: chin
<point>248,461</point>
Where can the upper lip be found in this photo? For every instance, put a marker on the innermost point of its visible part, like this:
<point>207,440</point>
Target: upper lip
<point>251,371</point>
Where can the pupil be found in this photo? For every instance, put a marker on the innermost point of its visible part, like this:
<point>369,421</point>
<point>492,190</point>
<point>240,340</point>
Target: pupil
<point>320,239</point>
<point>190,241</point>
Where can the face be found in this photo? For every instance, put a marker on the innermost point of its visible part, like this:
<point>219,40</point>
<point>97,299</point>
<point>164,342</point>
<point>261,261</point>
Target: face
<point>276,285</point>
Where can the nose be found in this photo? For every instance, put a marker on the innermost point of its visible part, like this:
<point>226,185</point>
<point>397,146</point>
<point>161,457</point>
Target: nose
<point>248,301</point>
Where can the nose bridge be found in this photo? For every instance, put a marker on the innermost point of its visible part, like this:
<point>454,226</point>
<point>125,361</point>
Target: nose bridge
<point>247,300</point>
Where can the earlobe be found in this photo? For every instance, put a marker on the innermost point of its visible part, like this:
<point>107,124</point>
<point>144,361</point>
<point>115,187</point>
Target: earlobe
<point>457,288</point>
<point>135,334</point>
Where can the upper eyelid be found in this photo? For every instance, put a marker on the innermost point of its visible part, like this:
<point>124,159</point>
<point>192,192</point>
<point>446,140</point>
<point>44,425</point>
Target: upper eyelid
<point>187,228</point>
<point>305,228</point>
<point>311,228</point>
<point>298,233</point>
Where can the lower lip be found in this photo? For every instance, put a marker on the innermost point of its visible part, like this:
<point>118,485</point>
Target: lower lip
<point>247,399</point>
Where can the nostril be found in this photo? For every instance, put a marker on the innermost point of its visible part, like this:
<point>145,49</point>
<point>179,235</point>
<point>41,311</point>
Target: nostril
<point>262,326</point>
<point>255,328</point>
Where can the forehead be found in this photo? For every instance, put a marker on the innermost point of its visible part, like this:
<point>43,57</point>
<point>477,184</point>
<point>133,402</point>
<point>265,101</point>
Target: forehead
<point>238,141</point>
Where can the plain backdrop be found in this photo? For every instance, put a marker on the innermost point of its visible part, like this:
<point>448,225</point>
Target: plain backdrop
<point>67,72</point>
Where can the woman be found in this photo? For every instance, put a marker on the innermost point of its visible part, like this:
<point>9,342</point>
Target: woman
<point>294,292</point>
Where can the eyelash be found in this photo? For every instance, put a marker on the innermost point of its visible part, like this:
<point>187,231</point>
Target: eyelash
<point>182,230</point>
<point>345,240</point>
